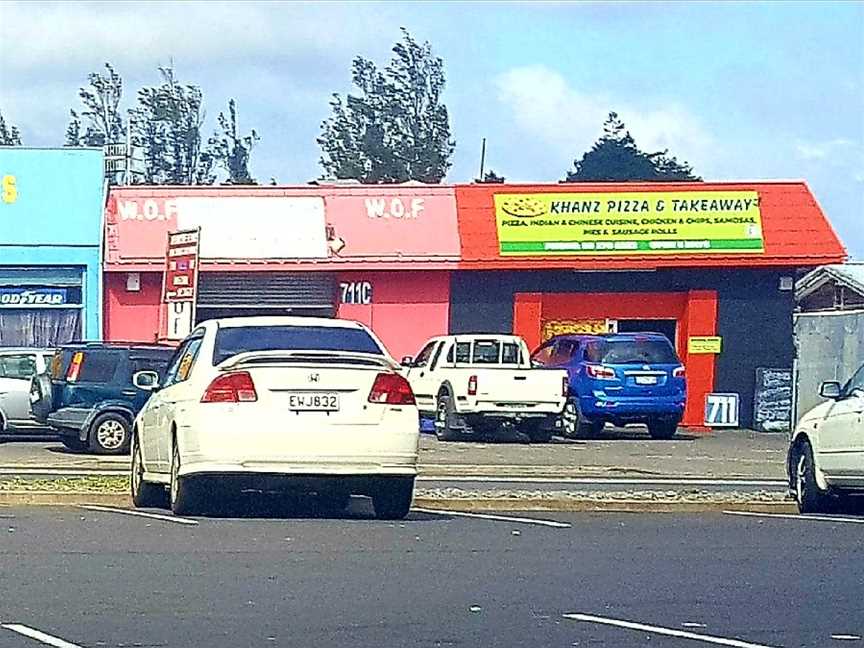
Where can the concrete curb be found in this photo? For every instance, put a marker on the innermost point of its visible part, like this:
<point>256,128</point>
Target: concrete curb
<point>570,505</point>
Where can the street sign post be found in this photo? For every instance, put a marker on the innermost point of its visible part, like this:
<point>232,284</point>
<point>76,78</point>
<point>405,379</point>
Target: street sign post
<point>180,284</point>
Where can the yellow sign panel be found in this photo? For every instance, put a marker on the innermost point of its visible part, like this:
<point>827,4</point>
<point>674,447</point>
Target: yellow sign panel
<point>637,222</point>
<point>704,345</point>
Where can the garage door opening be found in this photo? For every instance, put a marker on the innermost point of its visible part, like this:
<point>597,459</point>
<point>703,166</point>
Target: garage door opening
<point>204,313</point>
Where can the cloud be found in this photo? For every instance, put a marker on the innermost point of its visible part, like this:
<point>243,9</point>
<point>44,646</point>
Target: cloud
<point>545,106</point>
<point>62,36</point>
<point>822,150</point>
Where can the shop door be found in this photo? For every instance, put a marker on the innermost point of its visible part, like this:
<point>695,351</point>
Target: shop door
<point>667,327</point>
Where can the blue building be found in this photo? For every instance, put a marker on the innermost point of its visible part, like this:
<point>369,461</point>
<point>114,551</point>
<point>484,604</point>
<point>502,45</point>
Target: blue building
<point>51,206</point>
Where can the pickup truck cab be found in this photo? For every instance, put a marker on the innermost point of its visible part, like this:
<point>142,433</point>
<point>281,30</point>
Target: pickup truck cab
<point>478,385</point>
<point>619,378</point>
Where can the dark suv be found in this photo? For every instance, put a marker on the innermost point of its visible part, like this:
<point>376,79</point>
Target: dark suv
<point>88,396</point>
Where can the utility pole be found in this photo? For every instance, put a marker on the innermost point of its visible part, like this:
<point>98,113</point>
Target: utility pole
<point>482,160</point>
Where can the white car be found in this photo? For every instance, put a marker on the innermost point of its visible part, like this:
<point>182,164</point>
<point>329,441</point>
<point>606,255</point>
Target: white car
<point>17,367</point>
<point>299,405</point>
<point>826,455</point>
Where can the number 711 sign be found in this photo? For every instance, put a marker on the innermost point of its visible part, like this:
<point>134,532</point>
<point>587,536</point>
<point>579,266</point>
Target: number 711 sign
<point>721,410</point>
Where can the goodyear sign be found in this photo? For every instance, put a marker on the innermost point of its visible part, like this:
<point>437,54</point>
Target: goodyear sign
<point>18,297</point>
<point>646,222</point>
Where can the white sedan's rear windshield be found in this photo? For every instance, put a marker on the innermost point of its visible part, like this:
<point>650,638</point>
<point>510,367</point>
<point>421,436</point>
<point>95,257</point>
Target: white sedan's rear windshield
<point>242,339</point>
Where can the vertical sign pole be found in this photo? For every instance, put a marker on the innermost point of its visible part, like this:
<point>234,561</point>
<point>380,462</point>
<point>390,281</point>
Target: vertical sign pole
<point>194,305</point>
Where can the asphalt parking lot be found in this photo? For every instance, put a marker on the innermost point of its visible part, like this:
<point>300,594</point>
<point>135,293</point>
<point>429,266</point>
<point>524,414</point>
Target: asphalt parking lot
<point>731,454</point>
<point>79,577</point>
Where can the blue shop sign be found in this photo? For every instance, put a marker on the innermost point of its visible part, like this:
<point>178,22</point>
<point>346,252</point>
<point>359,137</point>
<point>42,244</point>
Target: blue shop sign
<point>18,297</point>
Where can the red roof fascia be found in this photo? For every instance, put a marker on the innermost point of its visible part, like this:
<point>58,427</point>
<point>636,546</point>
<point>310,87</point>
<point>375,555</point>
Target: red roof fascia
<point>796,231</point>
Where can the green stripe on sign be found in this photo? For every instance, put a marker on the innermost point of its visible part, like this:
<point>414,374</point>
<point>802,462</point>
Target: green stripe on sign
<point>601,247</point>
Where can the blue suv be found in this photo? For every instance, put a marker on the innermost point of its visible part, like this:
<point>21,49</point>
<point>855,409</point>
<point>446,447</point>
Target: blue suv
<point>618,378</point>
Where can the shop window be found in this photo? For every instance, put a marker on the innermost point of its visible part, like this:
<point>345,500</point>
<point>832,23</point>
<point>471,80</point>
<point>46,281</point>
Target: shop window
<point>20,367</point>
<point>39,328</point>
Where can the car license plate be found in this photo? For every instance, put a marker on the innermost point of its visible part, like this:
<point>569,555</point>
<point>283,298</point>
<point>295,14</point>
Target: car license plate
<point>313,402</point>
<point>646,380</point>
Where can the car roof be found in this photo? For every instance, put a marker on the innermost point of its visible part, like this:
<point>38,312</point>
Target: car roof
<point>281,320</point>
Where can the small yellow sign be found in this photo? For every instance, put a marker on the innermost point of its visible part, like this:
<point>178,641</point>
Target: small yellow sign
<point>704,345</point>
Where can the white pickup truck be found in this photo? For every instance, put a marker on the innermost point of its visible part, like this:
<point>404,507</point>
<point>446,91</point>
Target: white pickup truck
<point>476,385</point>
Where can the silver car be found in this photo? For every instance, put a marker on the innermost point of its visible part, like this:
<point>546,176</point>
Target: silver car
<point>17,367</point>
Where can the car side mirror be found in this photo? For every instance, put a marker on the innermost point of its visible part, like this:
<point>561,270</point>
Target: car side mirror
<point>407,361</point>
<point>146,380</point>
<point>831,390</point>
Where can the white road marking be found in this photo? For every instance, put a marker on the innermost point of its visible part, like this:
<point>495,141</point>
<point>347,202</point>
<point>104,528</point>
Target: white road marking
<point>39,636</point>
<point>496,518</point>
<point>846,637</point>
<point>614,481</point>
<point>792,516</point>
<point>153,516</point>
<point>669,632</point>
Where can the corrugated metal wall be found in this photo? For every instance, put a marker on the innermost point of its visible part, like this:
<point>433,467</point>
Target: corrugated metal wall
<point>830,347</point>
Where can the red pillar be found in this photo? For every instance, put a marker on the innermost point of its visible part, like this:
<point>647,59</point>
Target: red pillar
<point>700,319</point>
<point>527,311</point>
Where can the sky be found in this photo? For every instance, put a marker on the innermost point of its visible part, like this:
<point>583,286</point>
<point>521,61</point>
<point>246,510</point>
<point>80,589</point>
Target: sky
<point>742,91</point>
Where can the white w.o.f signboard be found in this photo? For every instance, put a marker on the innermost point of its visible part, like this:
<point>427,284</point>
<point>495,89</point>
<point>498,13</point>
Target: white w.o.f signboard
<point>722,410</point>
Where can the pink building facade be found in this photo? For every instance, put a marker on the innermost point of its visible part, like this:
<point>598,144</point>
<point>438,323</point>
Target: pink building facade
<point>379,255</point>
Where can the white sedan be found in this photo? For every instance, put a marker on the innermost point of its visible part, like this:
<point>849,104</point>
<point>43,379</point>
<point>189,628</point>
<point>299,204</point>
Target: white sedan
<point>826,456</point>
<point>295,405</point>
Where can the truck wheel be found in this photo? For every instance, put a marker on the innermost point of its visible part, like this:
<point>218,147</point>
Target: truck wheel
<point>444,419</point>
<point>662,429</point>
<point>574,424</point>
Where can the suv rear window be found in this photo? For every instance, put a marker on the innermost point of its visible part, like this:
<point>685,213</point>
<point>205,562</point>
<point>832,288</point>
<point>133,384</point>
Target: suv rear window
<point>99,366</point>
<point>631,352</point>
<point>241,339</point>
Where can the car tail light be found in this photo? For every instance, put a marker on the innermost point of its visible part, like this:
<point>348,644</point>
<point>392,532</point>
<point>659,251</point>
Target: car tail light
<point>565,384</point>
<point>599,372</point>
<point>391,389</point>
<point>231,388</point>
<point>679,372</point>
<point>75,367</point>
<point>472,386</point>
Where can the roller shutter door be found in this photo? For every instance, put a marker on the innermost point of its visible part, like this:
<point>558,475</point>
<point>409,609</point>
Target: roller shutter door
<point>311,290</point>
